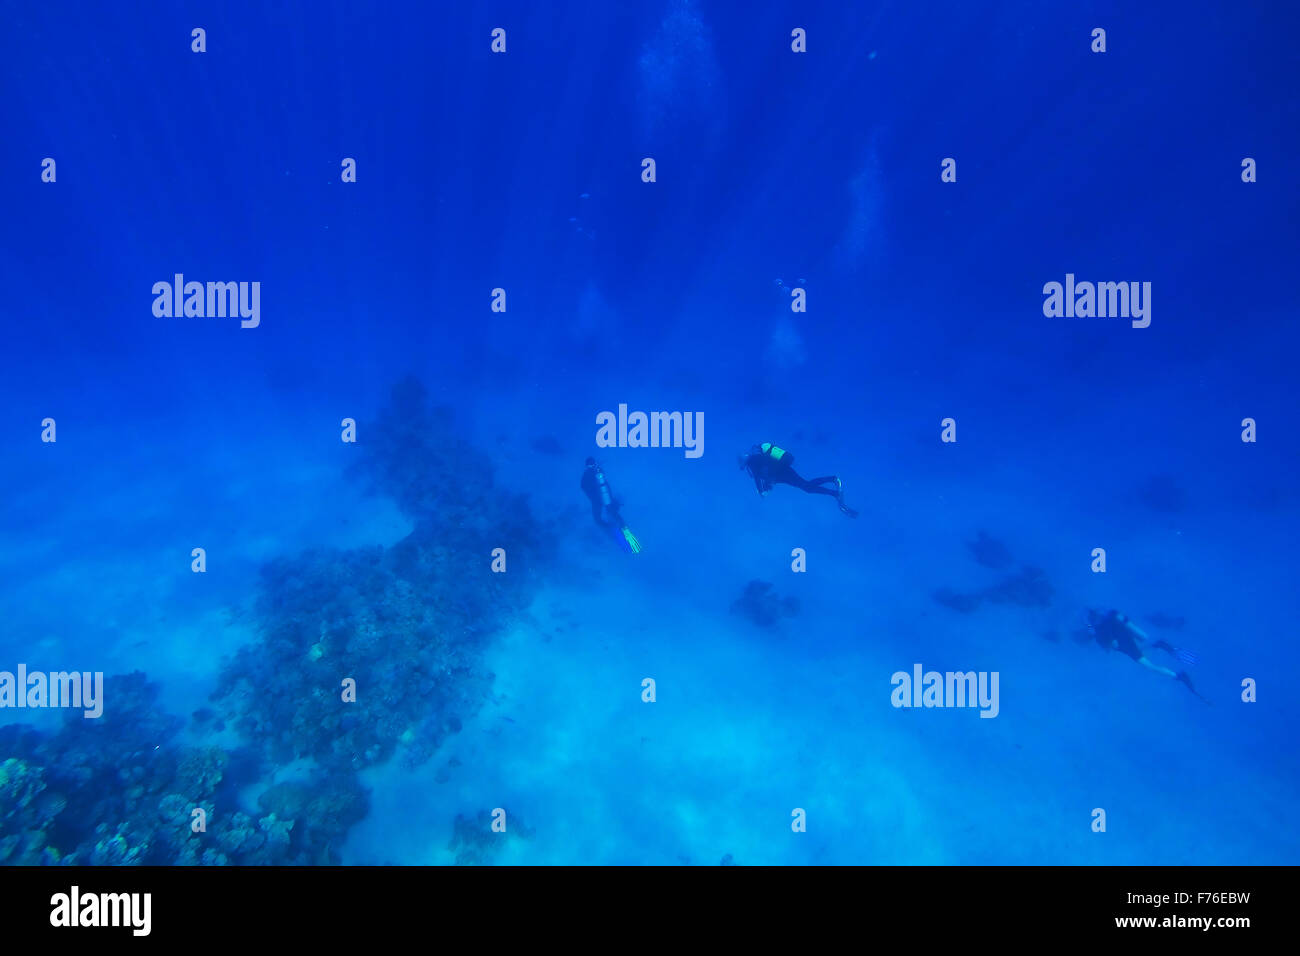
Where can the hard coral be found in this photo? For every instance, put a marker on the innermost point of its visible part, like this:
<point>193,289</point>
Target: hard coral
<point>759,604</point>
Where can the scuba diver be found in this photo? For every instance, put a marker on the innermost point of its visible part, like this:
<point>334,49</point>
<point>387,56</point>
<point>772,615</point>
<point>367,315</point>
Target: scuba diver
<point>769,465</point>
<point>1114,631</point>
<point>604,503</point>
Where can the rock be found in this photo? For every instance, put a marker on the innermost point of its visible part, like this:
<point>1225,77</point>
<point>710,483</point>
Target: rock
<point>989,552</point>
<point>759,604</point>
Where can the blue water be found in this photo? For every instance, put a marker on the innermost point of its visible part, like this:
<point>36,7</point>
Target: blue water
<point>522,691</point>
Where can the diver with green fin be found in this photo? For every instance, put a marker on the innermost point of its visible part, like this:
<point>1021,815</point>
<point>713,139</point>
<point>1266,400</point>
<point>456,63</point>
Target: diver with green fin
<point>1115,632</point>
<point>769,465</point>
<point>603,502</point>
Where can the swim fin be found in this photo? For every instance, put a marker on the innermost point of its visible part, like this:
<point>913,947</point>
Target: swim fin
<point>1183,654</point>
<point>1186,681</point>
<point>839,497</point>
<point>633,545</point>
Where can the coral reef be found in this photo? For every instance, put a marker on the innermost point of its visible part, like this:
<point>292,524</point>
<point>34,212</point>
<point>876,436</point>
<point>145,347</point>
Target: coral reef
<point>759,604</point>
<point>961,603</point>
<point>406,623</point>
<point>1028,587</point>
<point>989,552</point>
<point>475,843</point>
<point>413,455</point>
<point>396,622</point>
<point>23,815</point>
<point>118,791</point>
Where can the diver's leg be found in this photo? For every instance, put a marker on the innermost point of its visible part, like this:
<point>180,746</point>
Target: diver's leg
<point>1156,667</point>
<point>790,477</point>
<point>596,509</point>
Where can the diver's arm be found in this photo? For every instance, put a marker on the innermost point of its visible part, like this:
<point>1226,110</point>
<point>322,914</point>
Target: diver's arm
<point>1140,634</point>
<point>755,469</point>
<point>1128,622</point>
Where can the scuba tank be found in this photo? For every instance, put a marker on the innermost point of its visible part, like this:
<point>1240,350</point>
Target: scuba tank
<point>605,498</point>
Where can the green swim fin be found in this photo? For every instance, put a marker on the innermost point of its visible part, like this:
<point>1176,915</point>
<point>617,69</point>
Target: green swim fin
<point>632,543</point>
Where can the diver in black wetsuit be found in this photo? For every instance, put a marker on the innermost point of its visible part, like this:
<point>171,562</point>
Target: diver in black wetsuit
<point>603,503</point>
<point>1115,632</point>
<point>769,465</point>
<point>600,495</point>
